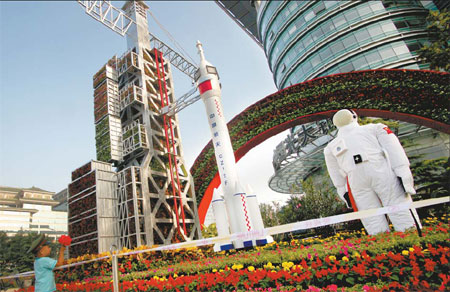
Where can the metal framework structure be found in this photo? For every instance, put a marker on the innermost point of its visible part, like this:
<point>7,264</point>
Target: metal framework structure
<point>299,155</point>
<point>119,22</point>
<point>109,15</point>
<point>182,102</point>
<point>174,58</point>
<point>155,198</point>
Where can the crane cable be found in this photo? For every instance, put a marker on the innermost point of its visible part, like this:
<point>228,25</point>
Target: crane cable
<point>179,47</point>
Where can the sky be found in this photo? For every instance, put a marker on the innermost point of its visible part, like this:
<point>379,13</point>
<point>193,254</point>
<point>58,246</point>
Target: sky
<point>49,52</point>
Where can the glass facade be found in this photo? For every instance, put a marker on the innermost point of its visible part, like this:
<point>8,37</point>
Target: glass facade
<point>307,39</point>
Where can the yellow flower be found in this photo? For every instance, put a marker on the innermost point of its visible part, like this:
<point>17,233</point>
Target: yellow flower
<point>287,265</point>
<point>251,268</point>
<point>405,252</point>
<point>214,270</point>
<point>411,249</point>
<point>345,259</point>
<point>356,254</point>
<point>332,258</point>
<point>269,266</point>
<point>237,267</point>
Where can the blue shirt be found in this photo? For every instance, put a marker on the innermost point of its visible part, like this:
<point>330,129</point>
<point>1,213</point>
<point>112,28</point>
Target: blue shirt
<point>43,272</point>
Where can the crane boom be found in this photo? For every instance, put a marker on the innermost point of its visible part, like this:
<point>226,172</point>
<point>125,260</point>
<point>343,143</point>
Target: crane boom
<point>175,59</point>
<point>119,22</point>
<point>106,13</point>
<point>184,101</point>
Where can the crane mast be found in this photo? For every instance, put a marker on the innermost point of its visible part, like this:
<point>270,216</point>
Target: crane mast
<point>155,193</point>
<point>115,19</point>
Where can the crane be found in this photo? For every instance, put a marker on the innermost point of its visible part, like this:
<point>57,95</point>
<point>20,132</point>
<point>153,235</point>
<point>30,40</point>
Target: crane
<point>116,20</point>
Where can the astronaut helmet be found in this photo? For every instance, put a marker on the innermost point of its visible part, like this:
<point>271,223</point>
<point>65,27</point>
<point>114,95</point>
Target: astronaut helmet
<point>344,117</point>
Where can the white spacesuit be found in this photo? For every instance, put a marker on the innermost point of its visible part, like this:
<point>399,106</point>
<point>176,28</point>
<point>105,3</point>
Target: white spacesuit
<point>373,160</point>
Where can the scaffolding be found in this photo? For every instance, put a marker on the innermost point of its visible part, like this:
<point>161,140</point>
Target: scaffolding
<point>108,133</point>
<point>92,209</point>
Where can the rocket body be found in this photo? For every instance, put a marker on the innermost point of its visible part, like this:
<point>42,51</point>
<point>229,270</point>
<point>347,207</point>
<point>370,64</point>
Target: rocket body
<point>234,196</point>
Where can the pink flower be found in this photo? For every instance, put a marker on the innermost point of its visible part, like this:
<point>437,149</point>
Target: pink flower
<point>332,287</point>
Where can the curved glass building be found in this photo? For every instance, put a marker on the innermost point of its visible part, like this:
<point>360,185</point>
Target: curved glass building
<point>308,39</point>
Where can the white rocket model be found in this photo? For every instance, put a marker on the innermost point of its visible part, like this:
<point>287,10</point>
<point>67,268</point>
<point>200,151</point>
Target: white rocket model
<point>241,216</point>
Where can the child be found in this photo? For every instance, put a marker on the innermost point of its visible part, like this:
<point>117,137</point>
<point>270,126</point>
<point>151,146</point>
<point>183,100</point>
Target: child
<point>43,265</point>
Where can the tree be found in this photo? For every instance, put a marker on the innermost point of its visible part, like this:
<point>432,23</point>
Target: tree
<point>14,257</point>
<point>269,214</point>
<point>437,53</point>
<point>432,180</point>
<point>319,200</point>
<point>209,231</point>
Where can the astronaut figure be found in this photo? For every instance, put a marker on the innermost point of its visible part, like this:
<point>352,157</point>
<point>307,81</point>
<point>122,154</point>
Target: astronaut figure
<point>377,168</point>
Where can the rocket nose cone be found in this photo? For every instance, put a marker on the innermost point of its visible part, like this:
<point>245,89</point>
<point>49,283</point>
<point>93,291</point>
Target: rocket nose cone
<point>200,51</point>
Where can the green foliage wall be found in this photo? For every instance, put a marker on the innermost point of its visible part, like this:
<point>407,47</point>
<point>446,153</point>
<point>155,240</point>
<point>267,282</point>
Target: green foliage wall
<point>414,92</point>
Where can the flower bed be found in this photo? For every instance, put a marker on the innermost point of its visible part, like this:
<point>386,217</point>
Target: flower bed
<point>345,262</point>
<point>424,94</point>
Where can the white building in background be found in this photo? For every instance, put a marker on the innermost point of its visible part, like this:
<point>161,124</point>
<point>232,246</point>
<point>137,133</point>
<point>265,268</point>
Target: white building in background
<point>30,210</point>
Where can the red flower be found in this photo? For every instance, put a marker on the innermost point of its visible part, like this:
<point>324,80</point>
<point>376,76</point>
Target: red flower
<point>65,240</point>
<point>425,284</point>
<point>415,281</point>
<point>443,260</point>
<point>429,265</point>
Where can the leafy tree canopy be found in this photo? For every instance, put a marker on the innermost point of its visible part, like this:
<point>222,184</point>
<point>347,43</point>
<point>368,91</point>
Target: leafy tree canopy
<point>437,53</point>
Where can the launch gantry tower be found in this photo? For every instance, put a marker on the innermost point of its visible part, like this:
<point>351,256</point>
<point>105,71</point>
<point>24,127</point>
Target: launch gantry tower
<point>155,192</point>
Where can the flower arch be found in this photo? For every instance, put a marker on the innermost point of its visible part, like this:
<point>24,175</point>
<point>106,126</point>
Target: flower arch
<point>415,96</point>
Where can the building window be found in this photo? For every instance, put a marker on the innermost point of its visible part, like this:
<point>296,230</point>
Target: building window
<point>338,21</point>
<point>375,30</point>
<point>400,24</point>
<point>401,49</point>
<point>388,26</point>
<point>373,57</point>
<point>309,16</point>
<point>337,47</point>
<point>347,68</point>
<point>319,8</point>
<point>362,35</point>
<point>359,62</point>
<point>349,41</point>
<point>351,15</point>
<point>387,52</point>
<point>413,47</point>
